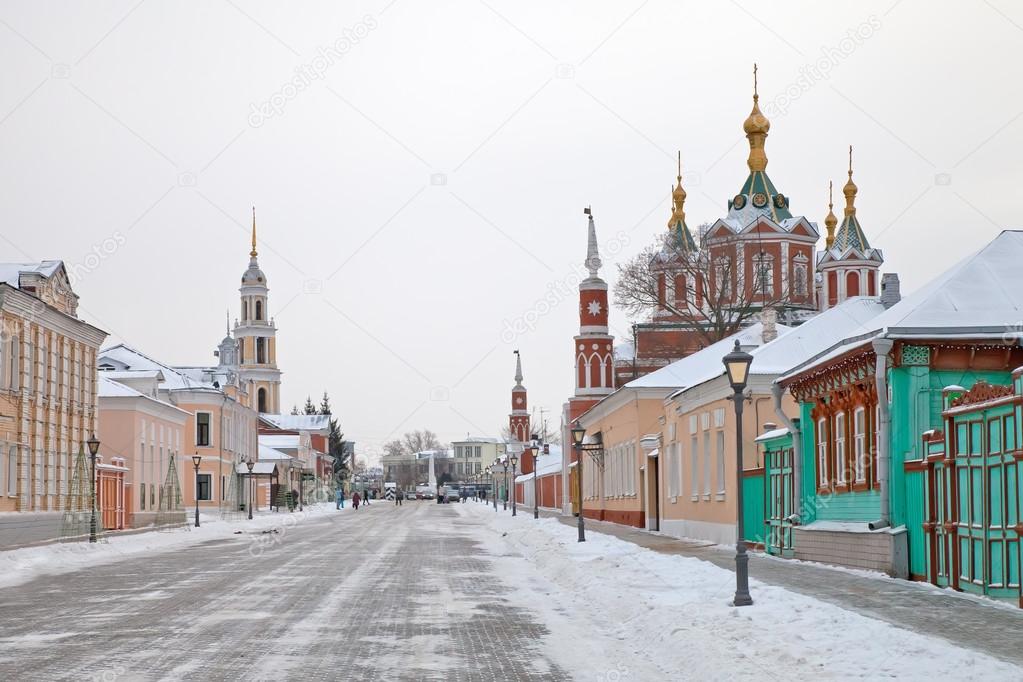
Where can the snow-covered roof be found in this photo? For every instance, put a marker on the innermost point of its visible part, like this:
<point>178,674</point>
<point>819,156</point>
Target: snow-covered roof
<point>298,422</point>
<point>132,359</point>
<point>772,434</point>
<point>437,454</point>
<point>11,272</point>
<point>696,367</point>
<point>981,296</point>
<point>478,439</point>
<point>268,453</point>
<point>108,387</point>
<point>545,465</point>
<point>258,468</point>
<point>117,374</point>
<point>279,441</point>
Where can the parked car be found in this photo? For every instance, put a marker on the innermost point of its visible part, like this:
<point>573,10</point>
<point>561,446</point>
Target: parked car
<point>452,494</point>
<point>411,495</point>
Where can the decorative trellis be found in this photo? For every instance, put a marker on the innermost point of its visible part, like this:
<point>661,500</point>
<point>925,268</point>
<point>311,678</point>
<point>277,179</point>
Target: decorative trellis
<point>76,522</point>
<point>170,513</point>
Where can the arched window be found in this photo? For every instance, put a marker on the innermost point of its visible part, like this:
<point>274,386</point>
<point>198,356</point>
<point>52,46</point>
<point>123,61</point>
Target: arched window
<point>581,371</point>
<point>261,400</point>
<point>260,350</point>
<point>259,310</point>
<point>245,311</point>
<point>595,371</point>
<point>763,269</point>
<point>852,284</point>
<point>799,276</point>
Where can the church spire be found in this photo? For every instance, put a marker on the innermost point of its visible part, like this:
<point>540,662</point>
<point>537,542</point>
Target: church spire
<point>518,370</point>
<point>830,222</point>
<point>756,126</point>
<point>592,255</point>
<point>253,252</point>
<point>682,239</point>
<point>850,190</point>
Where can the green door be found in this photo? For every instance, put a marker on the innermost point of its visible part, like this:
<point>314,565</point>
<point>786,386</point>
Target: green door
<point>971,534</point>
<point>779,496</point>
<point>1002,549</point>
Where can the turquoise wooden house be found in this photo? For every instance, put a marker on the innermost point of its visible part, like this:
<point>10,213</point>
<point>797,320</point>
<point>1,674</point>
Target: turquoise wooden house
<point>964,493</point>
<point>863,490</point>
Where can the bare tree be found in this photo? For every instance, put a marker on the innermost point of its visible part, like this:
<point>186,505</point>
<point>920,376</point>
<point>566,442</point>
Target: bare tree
<point>394,448</point>
<point>707,287</point>
<point>418,441</point>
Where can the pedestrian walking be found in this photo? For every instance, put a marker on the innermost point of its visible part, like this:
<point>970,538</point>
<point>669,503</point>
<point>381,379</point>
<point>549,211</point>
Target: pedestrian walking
<point>339,498</point>
<point>356,498</point>
<point>397,497</point>
<point>365,498</point>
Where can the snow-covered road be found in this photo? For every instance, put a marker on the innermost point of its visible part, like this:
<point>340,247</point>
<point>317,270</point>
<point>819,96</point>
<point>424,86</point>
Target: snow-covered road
<point>426,591</point>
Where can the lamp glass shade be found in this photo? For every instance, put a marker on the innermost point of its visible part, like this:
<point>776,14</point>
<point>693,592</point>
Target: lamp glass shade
<point>195,460</point>
<point>737,365</point>
<point>578,433</point>
<point>250,464</point>
<point>93,444</point>
<point>514,461</point>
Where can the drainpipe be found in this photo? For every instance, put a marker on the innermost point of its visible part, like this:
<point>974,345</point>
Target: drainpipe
<point>882,347</point>
<point>797,460</point>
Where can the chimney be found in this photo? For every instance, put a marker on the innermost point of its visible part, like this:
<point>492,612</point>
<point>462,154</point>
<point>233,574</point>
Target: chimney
<point>769,318</point>
<point>769,426</point>
<point>890,294</point>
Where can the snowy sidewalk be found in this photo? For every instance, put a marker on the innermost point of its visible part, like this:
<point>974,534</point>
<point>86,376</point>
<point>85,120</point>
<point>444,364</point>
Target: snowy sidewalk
<point>18,566</point>
<point>966,620</point>
<point>672,610</point>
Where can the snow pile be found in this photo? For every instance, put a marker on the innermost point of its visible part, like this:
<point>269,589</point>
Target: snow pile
<point>670,615</point>
<point>19,566</point>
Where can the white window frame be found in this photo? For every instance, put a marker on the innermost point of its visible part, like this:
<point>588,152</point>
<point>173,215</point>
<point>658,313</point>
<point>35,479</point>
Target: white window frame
<point>706,465</point>
<point>822,452</point>
<point>841,460</point>
<point>694,472</point>
<point>763,263</point>
<point>720,446</point>
<point>209,430</point>
<point>859,444</point>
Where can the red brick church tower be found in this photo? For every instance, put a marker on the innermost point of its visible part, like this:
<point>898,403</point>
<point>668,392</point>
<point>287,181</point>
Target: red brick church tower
<point>518,419</point>
<point>593,350</point>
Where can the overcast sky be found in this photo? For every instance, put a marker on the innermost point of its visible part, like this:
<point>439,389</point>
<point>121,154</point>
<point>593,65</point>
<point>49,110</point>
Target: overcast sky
<point>421,191</point>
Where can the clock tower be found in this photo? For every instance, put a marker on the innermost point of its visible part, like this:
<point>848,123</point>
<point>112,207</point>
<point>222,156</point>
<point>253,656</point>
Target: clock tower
<point>518,420</point>
<point>593,346</point>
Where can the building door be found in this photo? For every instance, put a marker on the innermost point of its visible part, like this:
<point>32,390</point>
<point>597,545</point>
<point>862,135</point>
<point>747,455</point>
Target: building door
<point>653,512</point>
<point>110,499</point>
<point>986,554</point>
<point>573,488</point>
<point>779,497</point>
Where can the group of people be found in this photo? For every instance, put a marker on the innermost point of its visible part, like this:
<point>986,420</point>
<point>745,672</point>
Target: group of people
<point>357,499</point>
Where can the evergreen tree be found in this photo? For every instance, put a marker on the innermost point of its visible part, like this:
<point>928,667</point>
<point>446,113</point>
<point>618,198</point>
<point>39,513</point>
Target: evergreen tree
<point>294,410</point>
<point>309,408</point>
<point>325,404</point>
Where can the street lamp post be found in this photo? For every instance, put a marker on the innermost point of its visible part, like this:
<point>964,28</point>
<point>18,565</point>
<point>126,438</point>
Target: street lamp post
<point>505,496</point>
<point>737,364</point>
<point>93,444</point>
<point>196,459</point>
<point>578,432</point>
<point>492,481</point>
<point>514,462</point>
<point>536,478</point>
<point>250,464</point>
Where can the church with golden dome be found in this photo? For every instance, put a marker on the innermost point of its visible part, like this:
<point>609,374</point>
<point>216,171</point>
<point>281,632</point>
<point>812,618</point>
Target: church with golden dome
<point>756,263</point>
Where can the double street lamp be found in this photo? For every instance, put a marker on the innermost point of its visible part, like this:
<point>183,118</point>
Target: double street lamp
<point>250,464</point>
<point>196,459</point>
<point>578,432</point>
<point>93,444</point>
<point>505,495</point>
<point>737,365</point>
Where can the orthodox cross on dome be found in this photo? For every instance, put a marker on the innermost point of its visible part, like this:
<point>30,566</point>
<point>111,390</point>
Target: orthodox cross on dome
<point>830,221</point>
<point>679,231</point>
<point>592,255</point>
<point>253,252</point>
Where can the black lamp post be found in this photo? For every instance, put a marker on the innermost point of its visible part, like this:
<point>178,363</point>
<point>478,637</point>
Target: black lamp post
<point>505,496</point>
<point>514,463</point>
<point>250,464</point>
<point>93,444</point>
<point>536,501</point>
<point>737,364</point>
<point>492,481</point>
<point>196,459</point>
<point>578,433</point>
